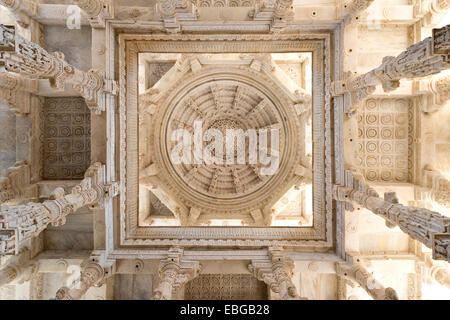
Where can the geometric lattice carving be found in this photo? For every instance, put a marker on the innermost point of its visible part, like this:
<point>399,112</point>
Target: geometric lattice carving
<point>383,139</point>
<point>225,287</point>
<point>67,134</point>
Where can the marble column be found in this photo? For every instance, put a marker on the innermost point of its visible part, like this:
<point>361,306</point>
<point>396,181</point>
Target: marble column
<point>174,273</point>
<point>17,92</point>
<point>23,222</point>
<point>426,226</point>
<point>424,58</point>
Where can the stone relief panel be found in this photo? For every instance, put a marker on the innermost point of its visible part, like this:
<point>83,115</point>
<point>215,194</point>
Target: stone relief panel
<point>225,287</point>
<point>66,139</point>
<point>383,133</point>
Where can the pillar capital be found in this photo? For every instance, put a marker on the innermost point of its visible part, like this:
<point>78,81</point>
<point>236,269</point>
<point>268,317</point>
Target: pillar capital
<point>98,11</point>
<point>277,272</point>
<point>28,59</point>
<point>95,273</point>
<point>18,269</point>
<point>23,10</point>
<point>427,57</point>
<point>17,183</point>
<point>174,273</point>
<point>426,226</point>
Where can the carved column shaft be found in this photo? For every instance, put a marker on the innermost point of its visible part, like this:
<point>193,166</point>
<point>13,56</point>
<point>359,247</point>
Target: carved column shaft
<point>26,221</point>
<point>23,10</point>
<point>16,185</point>
<point>26,58</point>
<point>94,273</point>
<point>358,273</point>
<point>424,58</point>
<point>426,226</point>
<point>174,273</point>
<point>277,273</point>
<point>7,275</point>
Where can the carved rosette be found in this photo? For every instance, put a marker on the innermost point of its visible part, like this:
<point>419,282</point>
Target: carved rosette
<point>23,222</point>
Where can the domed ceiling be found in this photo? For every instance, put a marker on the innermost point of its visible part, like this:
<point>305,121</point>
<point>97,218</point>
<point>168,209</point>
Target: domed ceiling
<point>232,180</point>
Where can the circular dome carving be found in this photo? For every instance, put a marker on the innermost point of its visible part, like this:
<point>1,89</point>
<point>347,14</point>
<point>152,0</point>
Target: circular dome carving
<point>224,99</point>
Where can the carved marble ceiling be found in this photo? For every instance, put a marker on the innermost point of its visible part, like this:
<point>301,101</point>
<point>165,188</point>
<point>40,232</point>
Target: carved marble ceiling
<point>226,92</point>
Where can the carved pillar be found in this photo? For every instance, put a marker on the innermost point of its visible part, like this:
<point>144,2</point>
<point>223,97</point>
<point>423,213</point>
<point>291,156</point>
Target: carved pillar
<point>18,269</point>
<point>23,10</point>
<point>97,11</point>
<point>354,8</point>
<point>424,58</point>
<point>17,92</point>
<point>26,58</point>
<point>283,13</point>
<point>23,222</point>
<point>357,271</point>
<point>174,273</point>
<point>436,93</point>
<point>16,185</point>
<point>172,12</point>
<point>95,273</point>
<point>276,272</point>
<point>428,227</point>
<point>441,275</point>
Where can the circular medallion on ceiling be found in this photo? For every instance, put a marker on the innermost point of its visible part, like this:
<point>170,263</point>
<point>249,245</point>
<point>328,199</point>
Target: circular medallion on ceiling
<point>222,100</point>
